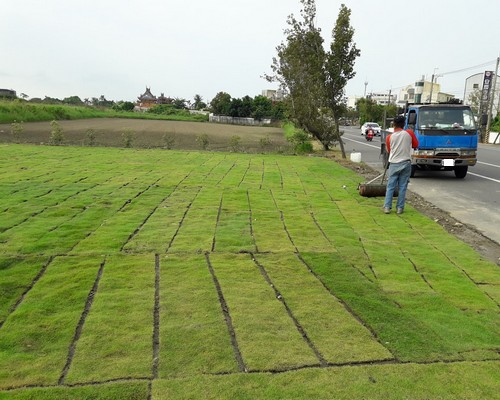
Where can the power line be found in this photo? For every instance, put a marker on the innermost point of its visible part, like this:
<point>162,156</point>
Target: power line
<point>469,68</point>
<point>449,73</point>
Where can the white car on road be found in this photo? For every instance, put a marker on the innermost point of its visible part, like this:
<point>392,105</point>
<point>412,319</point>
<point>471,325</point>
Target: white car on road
<point>373,125</point>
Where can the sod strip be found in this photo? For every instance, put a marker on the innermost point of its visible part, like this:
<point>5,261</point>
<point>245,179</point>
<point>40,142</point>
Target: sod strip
<point>81,323</point>
<point>193,335</point>
<point>422,328</point>
<point>253,175</point>
<point>17,277</point>
<point>482,273</point>
<point>267,336</point>
<point>233,232</point>
<point>374,382</point>
<point>337,334</point>
<point>289,311</point>
<point>132,390</point>
<point>267,226</point>
<point>272,175</point>
<point>196,229</point>
<point>115,344</point>
<point>233,177</point>
<point>300,226</point>
<point>116,230</point>
<point>35,338</point>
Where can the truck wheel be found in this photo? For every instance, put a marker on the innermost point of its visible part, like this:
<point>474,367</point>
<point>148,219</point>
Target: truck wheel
<point>460,172</point>
<point>413,169</point>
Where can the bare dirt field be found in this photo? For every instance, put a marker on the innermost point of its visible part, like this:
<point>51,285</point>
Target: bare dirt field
<point>155,134</point>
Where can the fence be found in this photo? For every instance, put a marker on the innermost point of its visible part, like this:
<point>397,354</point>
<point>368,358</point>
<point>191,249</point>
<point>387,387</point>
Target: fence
<point>224,119</point>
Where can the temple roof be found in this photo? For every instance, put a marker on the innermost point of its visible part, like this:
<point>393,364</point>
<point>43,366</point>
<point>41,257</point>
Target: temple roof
<point>147,95</point>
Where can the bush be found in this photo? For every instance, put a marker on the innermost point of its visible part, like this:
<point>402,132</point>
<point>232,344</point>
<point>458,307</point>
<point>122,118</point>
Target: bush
<point>266,143</point>
<point>234,142</point>
<point>202,141</point>
<point>56,134</point>
<point>169,140</point>
<point>128,138</point>
<point>16,129</point>
<point>300,139</point>
<point>90,134</point>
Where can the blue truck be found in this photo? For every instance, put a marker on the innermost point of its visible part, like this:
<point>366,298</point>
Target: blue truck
<point>447,134</point>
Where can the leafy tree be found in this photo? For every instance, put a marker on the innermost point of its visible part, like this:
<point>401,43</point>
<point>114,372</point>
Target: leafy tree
<point>51,100</point>
<point>262,107</point>
<point>316,79</point>
<point>221,103</point>
<point>73,100</point>
<point>123,106</point>
<point>235,107</point>
<point>279,110</point>
<point>369,110</point>
<point>474,100</point>
<point>247,106</point>
<point>179,103</point>
<point>199,104</point>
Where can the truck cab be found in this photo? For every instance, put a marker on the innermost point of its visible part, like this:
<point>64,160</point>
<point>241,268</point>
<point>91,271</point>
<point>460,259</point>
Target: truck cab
<point>447,136</point>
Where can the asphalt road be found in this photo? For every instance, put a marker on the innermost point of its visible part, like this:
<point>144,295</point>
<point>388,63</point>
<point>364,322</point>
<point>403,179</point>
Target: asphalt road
<point>474,200</point>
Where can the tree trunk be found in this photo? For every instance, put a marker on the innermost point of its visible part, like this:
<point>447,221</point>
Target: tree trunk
<point>339,138</point>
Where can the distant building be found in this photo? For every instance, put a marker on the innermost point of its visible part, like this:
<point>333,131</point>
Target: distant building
<point>148,100</point>
<point>474,84</point>
<point>351,101</point>
<point>423,91</point>
<point>274,95</point>
<point>8,93</point>
<point>164,100</point>
<point>382,98</point>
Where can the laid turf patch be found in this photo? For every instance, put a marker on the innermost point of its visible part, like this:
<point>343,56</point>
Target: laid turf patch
<point>384,382</point>
<point>35,338</point>
<point>267,336</point>
<point>182,269</point>
<point>336,333</point>
<point>113,344</point>
<point>17,276</point>
<point>194,338</point>
<point>117,390</point>
<point>414,327</point>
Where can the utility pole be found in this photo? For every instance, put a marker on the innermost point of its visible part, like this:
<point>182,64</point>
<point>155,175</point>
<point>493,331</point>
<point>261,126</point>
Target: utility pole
<point>432,85</point>
<point>490,104</point>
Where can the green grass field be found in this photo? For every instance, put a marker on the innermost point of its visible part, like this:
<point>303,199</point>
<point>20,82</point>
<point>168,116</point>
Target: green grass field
<point>136,274</point>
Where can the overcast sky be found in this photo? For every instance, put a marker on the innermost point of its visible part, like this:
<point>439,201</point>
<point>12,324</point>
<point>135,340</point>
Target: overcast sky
<point>116,48</point>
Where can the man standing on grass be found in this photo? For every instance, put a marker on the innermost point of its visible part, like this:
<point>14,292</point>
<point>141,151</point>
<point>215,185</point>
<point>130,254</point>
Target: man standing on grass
<point>399,145</point>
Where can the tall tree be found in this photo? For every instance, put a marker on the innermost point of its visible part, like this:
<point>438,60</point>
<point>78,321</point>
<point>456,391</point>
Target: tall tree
<point>314,78</point>
<point>198,104</point>
<point>221,103</point>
